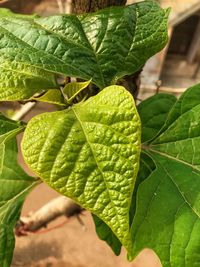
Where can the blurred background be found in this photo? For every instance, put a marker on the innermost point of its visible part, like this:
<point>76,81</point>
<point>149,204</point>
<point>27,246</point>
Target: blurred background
<point>173,70</point>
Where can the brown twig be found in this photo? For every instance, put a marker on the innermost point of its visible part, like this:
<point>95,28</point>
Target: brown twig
<point>4,1</point>
<point>25,109</point>
<point>57,207</point>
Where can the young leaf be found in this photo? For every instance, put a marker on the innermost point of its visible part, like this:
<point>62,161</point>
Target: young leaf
<point>90,153</point>
<point>105,233</point>
<point>14,186</point>
<point>52,96</point>
<point>167,217</point>
<point>71,90</point>
<point>153,113</point>
<point>104,46</point>
<point>5,12</point>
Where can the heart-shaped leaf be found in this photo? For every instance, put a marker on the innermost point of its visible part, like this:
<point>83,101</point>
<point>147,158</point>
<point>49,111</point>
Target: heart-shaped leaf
<point>168,213</point>
<point>90,153</point>
<point>167,217</point>
<point>102,46</point>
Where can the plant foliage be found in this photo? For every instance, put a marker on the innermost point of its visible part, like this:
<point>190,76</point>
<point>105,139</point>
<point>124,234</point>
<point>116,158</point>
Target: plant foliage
<point>167,217</point>
<point>135,169</point>
<point>102,46</point>
<point>14,186</point>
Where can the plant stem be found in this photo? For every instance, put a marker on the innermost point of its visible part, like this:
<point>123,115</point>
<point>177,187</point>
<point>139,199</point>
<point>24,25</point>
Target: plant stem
<point>55,208</point>
<point>85,6</point>
<point>23,111</point>
<point>61,6</point>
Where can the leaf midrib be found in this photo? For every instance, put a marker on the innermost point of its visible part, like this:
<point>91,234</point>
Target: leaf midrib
<point>91,50</point>
<point>182,195</point>
<point>171,178</point>
<point>90,145</point>
<point>149,148</point>
<point>43,51</point>
<point>31,74</point>
<point>64,38</point>
<point>162,133</point>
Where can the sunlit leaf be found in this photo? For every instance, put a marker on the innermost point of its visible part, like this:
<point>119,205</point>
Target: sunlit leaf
<point>90,153</point>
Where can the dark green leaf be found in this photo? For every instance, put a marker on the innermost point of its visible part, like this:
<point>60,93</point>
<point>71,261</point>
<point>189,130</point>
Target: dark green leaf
<point>167,217</point>
<point>7,244</point>
<point>187,101</point>
<point>153,113</point>
<point>104,46</point>
<point>14,186</point>
<point>146,168</point>
<point>105,233</point>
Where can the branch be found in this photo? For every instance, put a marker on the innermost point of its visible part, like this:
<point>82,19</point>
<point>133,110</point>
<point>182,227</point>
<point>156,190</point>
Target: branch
<point>61,6</point>
<point>165,89</point>
<point>57,207</point>
<point>68,6</point>
<point>85,6</point>
<point>4,1</point>
<point>23,111</point>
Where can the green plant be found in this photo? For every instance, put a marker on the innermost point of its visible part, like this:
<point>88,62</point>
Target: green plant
<point>90,149</point>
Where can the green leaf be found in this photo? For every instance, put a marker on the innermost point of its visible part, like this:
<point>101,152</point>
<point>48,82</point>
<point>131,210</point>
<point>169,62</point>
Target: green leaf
<point>71,90</point>
<point>7,244</point>
<point>14,186</point>
<point>105,233</point>
<point>19,80</point>
<point>167,217</point>
<point>90,153</point>
<point>168,214</point>
<point>153,113</point>
<point>181,139</point>
<point>102,46</point>
<point>52,96</point>
<point>5,12</point>
<point>147,166</point>
<point>187,101</point>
